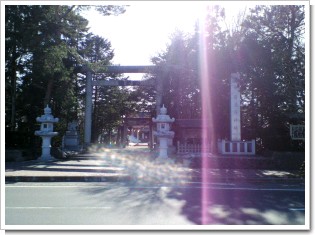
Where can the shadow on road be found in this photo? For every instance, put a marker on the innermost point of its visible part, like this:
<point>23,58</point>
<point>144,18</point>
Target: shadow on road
<point>242,207</point>
<point>223,207</point>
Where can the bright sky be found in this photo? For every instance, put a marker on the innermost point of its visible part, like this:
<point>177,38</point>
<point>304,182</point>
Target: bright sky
<point>145,28</point>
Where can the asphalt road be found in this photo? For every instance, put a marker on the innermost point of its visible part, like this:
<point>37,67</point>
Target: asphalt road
<point>148,204</point>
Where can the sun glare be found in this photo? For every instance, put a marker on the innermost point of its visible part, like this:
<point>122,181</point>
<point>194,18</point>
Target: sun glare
<point>204,68</point>
<point>141,169</point>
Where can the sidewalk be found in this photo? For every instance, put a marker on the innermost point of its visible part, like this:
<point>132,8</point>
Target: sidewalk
<point>64,171</point>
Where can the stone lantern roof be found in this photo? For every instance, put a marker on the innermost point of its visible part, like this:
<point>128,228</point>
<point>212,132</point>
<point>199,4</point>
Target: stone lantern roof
<point>47,117</point>
<point>163,117</point>
<point>47,110</point>
<point>163,110</point>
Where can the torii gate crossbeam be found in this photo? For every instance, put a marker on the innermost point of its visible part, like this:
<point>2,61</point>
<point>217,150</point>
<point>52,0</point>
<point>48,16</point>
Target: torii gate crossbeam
<point>90,84</point>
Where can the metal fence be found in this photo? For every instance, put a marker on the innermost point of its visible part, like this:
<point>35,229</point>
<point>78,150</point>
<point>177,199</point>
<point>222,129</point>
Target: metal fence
<point>190,148</point>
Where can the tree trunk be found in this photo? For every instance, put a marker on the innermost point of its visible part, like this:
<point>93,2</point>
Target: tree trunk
<point>13,99</point>
<point>159,92</point>
<point>13,91</point>
<point>48,91</point>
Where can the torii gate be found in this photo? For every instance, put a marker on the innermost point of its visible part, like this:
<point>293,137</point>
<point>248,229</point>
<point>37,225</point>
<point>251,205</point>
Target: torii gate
<point>112,69</point>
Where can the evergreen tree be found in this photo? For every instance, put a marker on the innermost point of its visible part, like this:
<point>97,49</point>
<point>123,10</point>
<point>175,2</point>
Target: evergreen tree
<point>273,58</point>
<point>43,46</point>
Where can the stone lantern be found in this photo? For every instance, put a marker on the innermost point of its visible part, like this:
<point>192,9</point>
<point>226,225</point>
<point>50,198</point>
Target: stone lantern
<point>163,132</point>
<point>46,132</point>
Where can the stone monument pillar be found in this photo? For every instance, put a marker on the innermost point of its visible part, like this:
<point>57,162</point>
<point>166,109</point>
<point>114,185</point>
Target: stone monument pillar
<point>235,108</point>
<point>71,140</point>
<point>46,132</point>
<point>236,146</point>
<point>163,132</point>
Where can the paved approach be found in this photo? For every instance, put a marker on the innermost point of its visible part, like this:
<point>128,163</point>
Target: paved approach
<point>133,163</point>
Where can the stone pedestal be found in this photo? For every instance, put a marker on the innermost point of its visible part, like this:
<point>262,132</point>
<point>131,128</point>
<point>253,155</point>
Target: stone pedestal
<point>163,146</point>
<point>46,147</point>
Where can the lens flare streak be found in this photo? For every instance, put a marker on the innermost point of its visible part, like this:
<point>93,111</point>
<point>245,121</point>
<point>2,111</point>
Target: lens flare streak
<point>205,47</point>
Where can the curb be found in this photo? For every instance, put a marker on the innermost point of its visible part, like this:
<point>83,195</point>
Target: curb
<point>252,180</point>
<point>15,179</point>
<point>127,178</point>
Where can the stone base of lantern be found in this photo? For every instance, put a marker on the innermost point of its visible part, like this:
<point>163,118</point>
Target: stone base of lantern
<point>163,147</point>
<point>46,156</point>
<point>164,160</point>
<point>163,151</point>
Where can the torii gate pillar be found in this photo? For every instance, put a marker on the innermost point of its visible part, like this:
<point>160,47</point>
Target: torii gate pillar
<point>88,109</point>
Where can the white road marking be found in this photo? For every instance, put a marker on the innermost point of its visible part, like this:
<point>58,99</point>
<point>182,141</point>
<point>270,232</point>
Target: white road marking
<point>297,209</point>
<point>57,207</point>
<point>53,186</point>
<point>159,186</point>
<point>213,183</point>
<point>264,189</point>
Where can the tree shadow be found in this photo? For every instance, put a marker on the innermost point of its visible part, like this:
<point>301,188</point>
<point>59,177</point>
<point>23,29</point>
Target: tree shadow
<point>242,207</point>
<point>132,205</point>
<point>223,207</point>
